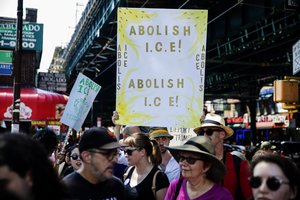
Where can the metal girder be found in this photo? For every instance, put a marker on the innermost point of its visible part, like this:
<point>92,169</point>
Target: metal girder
<point>94,17</point>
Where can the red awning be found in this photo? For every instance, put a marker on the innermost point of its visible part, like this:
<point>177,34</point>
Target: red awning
<point>36,104</point>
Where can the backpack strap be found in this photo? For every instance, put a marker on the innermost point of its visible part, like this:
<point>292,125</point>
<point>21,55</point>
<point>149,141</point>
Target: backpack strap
<point>237,165</point>
<point>178,186</point>
<point>154,183</point>
<point>127,171</point>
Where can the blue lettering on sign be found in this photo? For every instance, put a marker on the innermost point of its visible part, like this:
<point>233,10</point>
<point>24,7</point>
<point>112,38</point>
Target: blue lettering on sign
<point>5,69</point>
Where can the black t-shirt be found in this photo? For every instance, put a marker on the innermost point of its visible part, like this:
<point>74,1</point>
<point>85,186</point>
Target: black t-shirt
<point>81,189</point>
<point>143,190</point>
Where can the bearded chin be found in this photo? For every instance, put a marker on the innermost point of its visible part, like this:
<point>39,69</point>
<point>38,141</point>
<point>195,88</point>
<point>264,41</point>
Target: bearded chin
<point>163,151</point>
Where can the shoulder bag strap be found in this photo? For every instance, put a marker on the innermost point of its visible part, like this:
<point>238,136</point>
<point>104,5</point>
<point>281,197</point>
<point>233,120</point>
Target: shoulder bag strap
<point>154,183</point>
<point>127,171</point>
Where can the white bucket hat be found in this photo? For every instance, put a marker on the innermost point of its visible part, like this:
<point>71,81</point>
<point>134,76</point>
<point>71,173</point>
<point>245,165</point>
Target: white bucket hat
<point>214,120</point>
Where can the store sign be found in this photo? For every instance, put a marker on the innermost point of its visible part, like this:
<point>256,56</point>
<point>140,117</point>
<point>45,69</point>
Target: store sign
<point>25,111</point>
<point>271,118</point>
<point>5,69</point>
<point>296,57</point>
<point>270,121</point>
<point>6,66</point>
<point>55,82</point>
<point>32,38</point>
<point>38,123</point>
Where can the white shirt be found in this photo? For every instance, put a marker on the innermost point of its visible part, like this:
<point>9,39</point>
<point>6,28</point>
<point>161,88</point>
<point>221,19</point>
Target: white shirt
<point>172,169</point>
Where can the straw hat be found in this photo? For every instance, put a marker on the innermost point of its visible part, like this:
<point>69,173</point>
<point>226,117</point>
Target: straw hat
<point>203,146</point>
<point>214,120</point>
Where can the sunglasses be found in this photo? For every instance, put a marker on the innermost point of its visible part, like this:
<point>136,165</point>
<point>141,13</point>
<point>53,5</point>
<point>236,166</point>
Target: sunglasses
<point>273,183</point>
<point>110,155</point>
<point>189,160</point>
<point>74,156</point>
<point>129,151</point>
<point>209,131</point>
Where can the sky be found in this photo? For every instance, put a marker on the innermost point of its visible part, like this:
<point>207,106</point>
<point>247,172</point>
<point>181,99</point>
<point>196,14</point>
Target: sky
<point>58,16</point>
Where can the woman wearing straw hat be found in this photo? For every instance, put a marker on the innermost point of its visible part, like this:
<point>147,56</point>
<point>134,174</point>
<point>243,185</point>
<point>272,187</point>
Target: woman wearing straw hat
<point>236,179</point>
<point>201,172</point>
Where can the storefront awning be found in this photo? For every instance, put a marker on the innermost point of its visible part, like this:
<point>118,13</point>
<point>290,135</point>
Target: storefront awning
<point>36,104</point>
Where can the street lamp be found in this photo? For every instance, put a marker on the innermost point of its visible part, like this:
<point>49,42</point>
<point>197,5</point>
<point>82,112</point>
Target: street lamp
<point>15,125</point>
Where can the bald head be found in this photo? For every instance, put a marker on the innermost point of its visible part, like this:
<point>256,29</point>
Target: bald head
<point>129,130</point>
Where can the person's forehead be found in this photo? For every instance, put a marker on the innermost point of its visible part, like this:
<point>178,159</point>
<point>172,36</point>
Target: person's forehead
<point>75,150</point>
<point>134,129</point>
<point>8,174</point>
<point>267,169</point>
<point>4,169</point>
<point>129,130</point>
<point>212,127</point>
<point>188,153</point>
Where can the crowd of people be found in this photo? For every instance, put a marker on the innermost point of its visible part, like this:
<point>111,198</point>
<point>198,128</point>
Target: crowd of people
<point>135,164</point>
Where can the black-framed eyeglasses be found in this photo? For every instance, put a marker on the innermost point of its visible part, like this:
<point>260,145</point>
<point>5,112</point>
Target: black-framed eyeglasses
<point>273,182</point>
<point>74,156</point>
<point>129,151</point>
<point>209,131</point>
<point>109,154</point>
<point>189,160</point>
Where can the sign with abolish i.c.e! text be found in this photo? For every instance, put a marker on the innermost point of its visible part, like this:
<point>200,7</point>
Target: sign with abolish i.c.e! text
<point>161,66</point>
<point>80,101</point>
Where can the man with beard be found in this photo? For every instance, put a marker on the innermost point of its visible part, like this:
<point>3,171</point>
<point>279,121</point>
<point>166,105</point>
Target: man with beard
<point>94,179</point>
<point>168,165</point>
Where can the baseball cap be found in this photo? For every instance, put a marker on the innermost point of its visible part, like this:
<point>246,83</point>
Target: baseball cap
<point>97,137</point>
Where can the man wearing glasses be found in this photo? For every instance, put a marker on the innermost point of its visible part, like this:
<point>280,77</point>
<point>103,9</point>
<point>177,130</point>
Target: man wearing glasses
<point>94,179</point>
<point>236,179</point>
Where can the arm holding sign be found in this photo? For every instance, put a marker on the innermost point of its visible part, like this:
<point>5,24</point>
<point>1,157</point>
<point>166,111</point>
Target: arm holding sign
<point>127,131</point>
<point>117,128</point>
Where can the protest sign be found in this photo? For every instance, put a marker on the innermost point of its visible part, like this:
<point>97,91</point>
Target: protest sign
<point>161,66</point>
<point>181,135</point>
<point>80,101</point>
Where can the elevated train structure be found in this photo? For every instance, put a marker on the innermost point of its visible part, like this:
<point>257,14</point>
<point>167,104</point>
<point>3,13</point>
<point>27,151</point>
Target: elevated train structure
<point>249,45</point>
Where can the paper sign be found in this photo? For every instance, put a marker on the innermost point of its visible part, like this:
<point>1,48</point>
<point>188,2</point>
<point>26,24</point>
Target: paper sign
<point>181,135</point>
<point>161,66</point>
<point>80,101</point>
